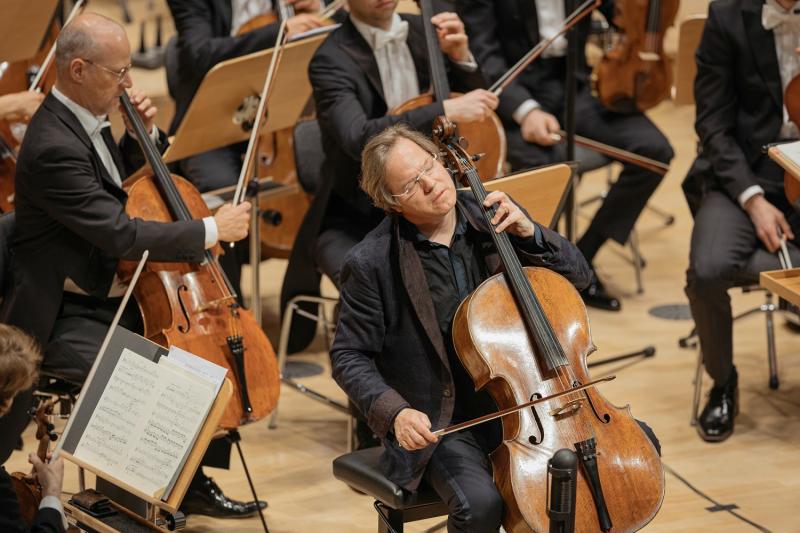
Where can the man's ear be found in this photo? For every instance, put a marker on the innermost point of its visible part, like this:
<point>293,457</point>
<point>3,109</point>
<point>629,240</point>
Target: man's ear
<point>77,70</point>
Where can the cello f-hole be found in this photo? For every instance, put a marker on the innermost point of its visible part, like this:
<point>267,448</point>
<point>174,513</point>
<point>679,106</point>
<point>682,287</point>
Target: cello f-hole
<point>184,311</point>
<point>605,418</point>
<point>533,439</point>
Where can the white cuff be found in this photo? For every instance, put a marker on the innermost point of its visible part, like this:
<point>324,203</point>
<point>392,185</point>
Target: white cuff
<point>212,235</point>
<point>749,193</point>
<point>524,108</point>
<point>469,65</point>
<point>154,134</point>
<point>54,503</point>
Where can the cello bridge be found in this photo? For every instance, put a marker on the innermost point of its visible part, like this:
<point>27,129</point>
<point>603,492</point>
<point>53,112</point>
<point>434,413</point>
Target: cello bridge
<point>568,408</point>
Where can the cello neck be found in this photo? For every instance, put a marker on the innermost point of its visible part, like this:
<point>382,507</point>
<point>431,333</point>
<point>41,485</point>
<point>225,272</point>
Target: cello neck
<point>438,72</point>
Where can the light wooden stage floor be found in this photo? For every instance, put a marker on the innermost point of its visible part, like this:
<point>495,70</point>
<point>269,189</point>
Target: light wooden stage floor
<point>756,472</point>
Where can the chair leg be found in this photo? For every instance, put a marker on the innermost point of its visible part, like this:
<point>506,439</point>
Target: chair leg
<point>769,311</point>
<point>389,520</point>
<point>668,218</point>
<point>698,389</point>
<point>283,346</point>
<point>633,241</point>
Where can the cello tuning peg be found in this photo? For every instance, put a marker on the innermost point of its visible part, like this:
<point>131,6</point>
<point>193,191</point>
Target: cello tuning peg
<point>50,426</point>
<point>477,157</point>
<point>53,436</point>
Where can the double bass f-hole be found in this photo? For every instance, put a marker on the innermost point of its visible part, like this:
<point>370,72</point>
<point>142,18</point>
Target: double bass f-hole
<point>533,439</point>
<point>183,289</point>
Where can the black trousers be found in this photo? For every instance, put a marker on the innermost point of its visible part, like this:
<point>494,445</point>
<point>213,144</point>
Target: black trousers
<point>213,170</point>
<point>726,252</point>
<point>636,133</point>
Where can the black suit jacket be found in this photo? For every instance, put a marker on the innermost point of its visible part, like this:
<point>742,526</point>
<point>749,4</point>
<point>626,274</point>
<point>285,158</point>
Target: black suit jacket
<point>739,102</point>
<point>389,352</point>
<point>204,39</point>
<point>501,32</point>
<point>47,520</point>
<point>71,221</point>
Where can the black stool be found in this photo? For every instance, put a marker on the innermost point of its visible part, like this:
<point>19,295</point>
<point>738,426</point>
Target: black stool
<point>395,506</point>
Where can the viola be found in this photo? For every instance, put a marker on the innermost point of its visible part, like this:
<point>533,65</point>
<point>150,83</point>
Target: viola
<point>27,487</point>
<point>523,335</point>
<point>193,306</point>
<point>635,74</point>
<point>488,137</point>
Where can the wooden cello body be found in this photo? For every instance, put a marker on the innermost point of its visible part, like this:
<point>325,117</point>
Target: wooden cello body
<point>522,335</point>
<point>192,306</point>
<point>791,99</point>
<point>635,75</point>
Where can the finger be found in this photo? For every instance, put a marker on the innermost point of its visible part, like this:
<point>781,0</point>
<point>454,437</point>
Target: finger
<point>785,227</point>
<point>416,439</point>
<point>34,460</point>
<point>511,219</point>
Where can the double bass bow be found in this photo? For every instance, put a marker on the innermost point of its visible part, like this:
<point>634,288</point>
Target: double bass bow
<point>487,135</point>
<point>194,306</point>
<point>523,335</point>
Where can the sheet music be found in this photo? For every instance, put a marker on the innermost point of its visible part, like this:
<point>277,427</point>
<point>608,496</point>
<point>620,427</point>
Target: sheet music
<point>145,422</point>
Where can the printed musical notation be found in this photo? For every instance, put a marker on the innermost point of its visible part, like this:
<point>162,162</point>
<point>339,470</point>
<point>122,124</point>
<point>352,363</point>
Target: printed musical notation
<point>145,422</point>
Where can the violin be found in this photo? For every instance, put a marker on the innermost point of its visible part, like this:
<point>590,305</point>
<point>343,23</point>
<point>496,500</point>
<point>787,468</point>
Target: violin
<point>34,75</point>
<point>635,74</point>
<point>488,137</point>
<point>194,306</point>
<point>27,487</point>
<point>523,335</point>
<point>286,208</point>
<point>791,99</point>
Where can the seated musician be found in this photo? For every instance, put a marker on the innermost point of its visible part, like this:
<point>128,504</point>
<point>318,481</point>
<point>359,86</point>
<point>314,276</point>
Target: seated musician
<point>208,34</point>
<point>502,31</point>
<point>745,60</point>
<point>71,226</point>
<point>400,287</point>
<point>19,106</point>
<point>19,369</point>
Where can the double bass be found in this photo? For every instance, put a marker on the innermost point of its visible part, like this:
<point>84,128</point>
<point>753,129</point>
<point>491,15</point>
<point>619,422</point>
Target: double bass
<point>635,75</point>
<point>194,306</point>
<point>523,335</point>
<point>488,137</point>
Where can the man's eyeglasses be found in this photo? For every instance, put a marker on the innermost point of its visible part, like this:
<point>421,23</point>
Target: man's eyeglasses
<point>412,185</point>
<point>120,74</point>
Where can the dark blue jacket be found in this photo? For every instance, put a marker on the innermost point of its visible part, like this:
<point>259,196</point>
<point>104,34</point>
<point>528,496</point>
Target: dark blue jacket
<point>389,353</point>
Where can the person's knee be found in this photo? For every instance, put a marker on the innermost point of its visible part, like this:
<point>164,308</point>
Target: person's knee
<point>648,431</point>
<point>481,512</point>
<point>660,151</point>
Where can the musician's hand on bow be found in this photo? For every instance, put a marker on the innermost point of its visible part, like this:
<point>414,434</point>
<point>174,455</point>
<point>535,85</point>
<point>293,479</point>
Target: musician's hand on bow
<point>508,216</point>
<point>20,106</point>
<point>453,38</point>
<point>473,106</point>
<point>767,219</point>
<point>305,6</point>
<point>302,23</point>
<point>50,475</point>
<point>412,429</point>
<point>144,106</point>
<point>233,222</point>
<point>538,127</point>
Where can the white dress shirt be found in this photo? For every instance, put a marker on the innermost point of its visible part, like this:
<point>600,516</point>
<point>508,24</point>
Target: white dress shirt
<point>551,16</point>
<point>785,26</point>
<point>93,126</point>
<point>244,10</point>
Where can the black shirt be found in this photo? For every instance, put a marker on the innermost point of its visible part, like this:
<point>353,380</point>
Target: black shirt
<point>453,272</point>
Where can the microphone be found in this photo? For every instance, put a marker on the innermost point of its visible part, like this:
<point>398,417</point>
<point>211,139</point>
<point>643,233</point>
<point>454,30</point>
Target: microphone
<point>563,471</point>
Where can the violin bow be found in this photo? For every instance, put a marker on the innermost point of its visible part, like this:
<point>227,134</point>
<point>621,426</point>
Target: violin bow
<point>48,60</point>
<point>511,410</point>
<point>255,132</point>
<point>332,8</point>
<point>616,153</point>
<point>513,73</point>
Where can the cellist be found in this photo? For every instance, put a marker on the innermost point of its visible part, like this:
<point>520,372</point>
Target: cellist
<point>393,352</point>
<point>746,58</point>
<point>71,227</point>
<point>502,31</point>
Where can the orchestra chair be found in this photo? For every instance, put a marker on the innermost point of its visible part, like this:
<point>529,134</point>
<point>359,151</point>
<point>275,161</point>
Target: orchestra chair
<point>394,505</point>
<point>761,257</point>
<point>309,158</point>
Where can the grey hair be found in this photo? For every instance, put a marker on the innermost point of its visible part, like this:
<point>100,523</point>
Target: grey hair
<point>73,42</point>
<point>375,156</point>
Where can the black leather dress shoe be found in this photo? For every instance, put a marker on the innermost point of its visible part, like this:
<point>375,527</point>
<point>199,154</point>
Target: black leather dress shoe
<point>595,295</point>
<point>715,422</point>
<point>206,498</point>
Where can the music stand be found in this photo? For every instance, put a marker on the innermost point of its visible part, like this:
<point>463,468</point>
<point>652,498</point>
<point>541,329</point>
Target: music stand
<point>227,101</point>
<point>24,25</point>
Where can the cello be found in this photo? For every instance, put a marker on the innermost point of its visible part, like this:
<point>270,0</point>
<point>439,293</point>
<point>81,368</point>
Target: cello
<point>487,135</point>
<point>635,75</point>
<point>523,335</point>
<point>193,306</point>
<point>791,99</point>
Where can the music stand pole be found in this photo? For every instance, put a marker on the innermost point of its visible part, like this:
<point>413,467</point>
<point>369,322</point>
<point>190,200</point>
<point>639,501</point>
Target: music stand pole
<point>570,87</point>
